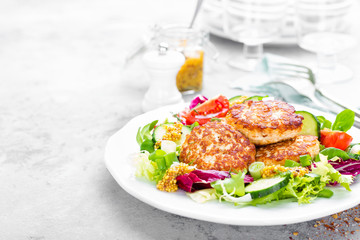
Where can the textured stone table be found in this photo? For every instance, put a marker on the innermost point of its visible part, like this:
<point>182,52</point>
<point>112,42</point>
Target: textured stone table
<point>63,94</point>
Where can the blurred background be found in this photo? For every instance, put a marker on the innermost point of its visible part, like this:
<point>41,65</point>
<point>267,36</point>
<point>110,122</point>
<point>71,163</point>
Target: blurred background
<point>98,42</point>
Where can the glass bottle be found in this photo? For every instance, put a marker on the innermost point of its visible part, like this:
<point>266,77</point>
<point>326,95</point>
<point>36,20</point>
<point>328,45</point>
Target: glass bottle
<point>190,43</point>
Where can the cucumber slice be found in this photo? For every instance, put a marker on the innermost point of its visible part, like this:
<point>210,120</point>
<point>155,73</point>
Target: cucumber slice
<point>266,186</point>
<point>313,175</point>
<point>311,126</point>
<point>184,132</point>
<point>161,130</point>
<point>255,98</point>
<point>241,99</point>
<point>236,99</point>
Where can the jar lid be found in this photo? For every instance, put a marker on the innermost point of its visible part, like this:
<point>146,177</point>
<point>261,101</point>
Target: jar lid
<point>163,58</point>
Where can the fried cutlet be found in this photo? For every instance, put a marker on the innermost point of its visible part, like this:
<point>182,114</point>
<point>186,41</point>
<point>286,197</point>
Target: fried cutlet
<point>217,146</point>
<point>265,122</point>
<point>277,153</point>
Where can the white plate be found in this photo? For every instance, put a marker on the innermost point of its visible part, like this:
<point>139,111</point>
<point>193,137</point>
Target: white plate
<point>118,161</point>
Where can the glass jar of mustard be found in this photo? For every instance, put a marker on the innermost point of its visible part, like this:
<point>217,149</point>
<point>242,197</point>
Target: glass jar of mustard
<point>189,42</point>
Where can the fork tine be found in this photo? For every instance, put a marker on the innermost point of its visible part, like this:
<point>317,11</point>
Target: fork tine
<point>294,65</point>
<point>287,76</point>
<point>289,67</point>
<point>289,70</point>
<point>291,74</point>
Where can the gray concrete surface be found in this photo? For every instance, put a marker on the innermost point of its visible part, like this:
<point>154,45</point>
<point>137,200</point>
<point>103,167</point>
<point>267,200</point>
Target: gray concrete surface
<point>63,94</point>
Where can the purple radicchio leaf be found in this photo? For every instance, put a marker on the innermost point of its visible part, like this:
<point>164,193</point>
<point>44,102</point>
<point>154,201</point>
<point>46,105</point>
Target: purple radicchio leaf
<point>197,100</point>
<point>200,179</point>
<point>347,167</point>
<point>248,179</point>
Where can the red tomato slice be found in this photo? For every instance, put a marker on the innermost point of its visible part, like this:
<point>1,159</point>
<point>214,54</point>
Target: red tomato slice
<point>336,139</point>
<point>214,105</point>
<point>213,108</point>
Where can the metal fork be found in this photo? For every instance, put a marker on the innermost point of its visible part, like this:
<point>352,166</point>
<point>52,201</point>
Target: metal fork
<point>287,72</point>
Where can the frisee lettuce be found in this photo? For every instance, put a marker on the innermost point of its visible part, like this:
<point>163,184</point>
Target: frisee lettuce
<point>153,169</point>
<point>203,195</point>
<point>144,167</point>
<point>304,189</point>
<point>329,174</point>
<point>246,200</point>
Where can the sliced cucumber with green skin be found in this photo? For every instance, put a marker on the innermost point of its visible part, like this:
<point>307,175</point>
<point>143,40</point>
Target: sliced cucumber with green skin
<point>255,98</point>
<point>265,186</point>
<point>160,131</point>
<point>313,175</point>
<point>235,99</point>
<point>311,125</point>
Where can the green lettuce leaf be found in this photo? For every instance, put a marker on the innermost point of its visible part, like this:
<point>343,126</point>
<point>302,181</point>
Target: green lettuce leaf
<point>145,167</point>
<point>144,133</point>
<point>332,152</point>
<point>304,189</point>
<point>203,195</point>
<point>344,180</point>
<point>343,122</point>
<point>329,174</point>
<point>234,185</point>
<point>246,200</point>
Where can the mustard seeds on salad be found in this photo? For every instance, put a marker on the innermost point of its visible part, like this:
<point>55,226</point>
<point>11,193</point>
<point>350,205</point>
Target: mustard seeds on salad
<point>173,133</point>
<point>271,171</point>
<point>168,182</point>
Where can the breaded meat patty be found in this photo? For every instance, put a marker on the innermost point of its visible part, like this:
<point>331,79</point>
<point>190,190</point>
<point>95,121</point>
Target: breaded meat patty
<point>217,146</point>
<point>277,153</point>
<point>265,122</point>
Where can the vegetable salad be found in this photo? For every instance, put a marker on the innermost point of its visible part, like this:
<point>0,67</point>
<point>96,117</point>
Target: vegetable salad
<point>337,163</point>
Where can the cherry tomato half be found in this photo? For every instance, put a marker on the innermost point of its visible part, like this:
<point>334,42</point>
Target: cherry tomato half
<point>213,108</point>
<point>336,139</point>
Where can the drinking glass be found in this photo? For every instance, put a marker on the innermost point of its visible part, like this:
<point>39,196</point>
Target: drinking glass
<point>253,22</point>
<point>322,28</point>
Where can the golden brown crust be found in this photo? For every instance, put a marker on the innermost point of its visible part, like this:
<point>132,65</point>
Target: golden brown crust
<point>265,122</point>
<point>277,153</point>
<point>217,146</point>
